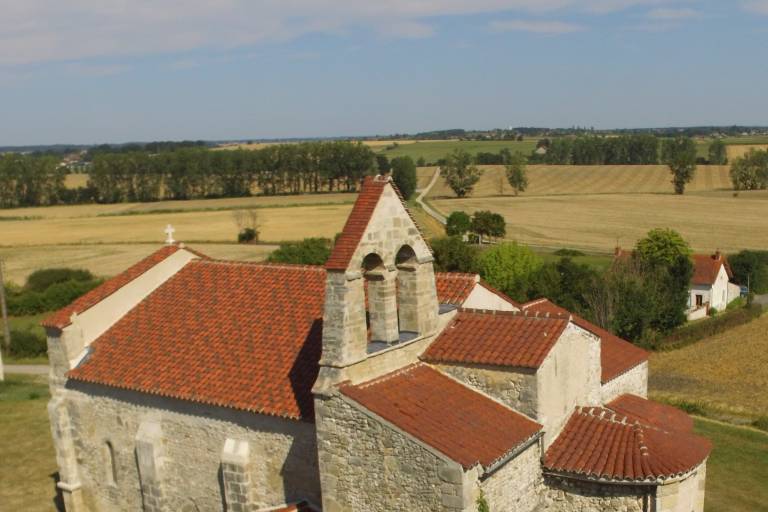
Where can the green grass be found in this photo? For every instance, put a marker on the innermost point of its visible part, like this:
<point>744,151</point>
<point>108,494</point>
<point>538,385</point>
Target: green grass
<point>737,468</point>
<point>28,461</point>
<point>432,151</point>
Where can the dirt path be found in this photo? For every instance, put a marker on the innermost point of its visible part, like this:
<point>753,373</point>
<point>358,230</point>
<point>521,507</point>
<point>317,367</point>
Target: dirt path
<point>423,193</point>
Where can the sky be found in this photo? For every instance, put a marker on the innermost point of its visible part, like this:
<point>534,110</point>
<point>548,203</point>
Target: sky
<point>96,71</point>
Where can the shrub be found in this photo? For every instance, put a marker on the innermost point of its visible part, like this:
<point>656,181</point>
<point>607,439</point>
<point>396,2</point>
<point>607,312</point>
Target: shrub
<point>453,255</point>
<point>246,236</point>
<point>41,280</point>
<point>509,267</point>
<point>56,296</point>
<point>712,312</point>
<point>310,251</point>
<point>568,253</point>
<point>761,423</point>
<point>27,344</point>
<point>697,408</point>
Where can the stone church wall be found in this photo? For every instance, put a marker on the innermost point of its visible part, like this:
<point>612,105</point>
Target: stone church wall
<point>684,496</point>
<point>188,453</point>
<point>566,495</point>
<point>368,465</point>
<point>634,382</point>
<point>516,389</point>
<point>517,485</point>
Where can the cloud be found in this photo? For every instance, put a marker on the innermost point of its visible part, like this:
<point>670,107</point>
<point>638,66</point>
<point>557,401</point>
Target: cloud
<point>757,6</point>
<point>669,14</point>
<point>54,30</point>
<point>537,27</point>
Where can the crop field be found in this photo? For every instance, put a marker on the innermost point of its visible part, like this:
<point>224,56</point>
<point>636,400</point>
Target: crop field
<point>727,372</point>
<point>740,150</point>
<point>598,222</point>
<point>433,150</point>
<point>589,179</point>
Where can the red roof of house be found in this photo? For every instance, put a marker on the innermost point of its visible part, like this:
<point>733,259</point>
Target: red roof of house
<point>599,443</point>
<point>617,356</point>
<point>648,412</point>
<point>496,338</point>
<point>302,506</point>
<point>240,335</point>
<point>61,318</point>
<point>454,288</point>
<point>462,424</point>
<point>706,268</point>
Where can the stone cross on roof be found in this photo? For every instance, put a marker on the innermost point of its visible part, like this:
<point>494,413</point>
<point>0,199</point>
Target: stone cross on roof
<point>169,230</point>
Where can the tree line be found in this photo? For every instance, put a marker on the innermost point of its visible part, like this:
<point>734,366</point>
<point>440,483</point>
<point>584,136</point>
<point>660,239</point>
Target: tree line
<point>188,173</point>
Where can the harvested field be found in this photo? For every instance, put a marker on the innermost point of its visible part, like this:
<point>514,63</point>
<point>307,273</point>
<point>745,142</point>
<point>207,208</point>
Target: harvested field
<point>597,222</point>
<point>76,180</point>
<point>727,371</point>
<point>108,259</point>
<point>740,150</point>
<point>592,179</point>
<point>231,203</point>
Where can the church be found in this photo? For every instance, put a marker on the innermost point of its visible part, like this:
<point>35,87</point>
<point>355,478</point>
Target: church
<point>371,384</point>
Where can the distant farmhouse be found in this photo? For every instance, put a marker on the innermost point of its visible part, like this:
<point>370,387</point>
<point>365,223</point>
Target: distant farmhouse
<point>371,384</point>
<point>711,285</point>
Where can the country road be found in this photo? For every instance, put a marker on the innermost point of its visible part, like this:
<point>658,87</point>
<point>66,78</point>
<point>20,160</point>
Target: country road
<point>423,193</point>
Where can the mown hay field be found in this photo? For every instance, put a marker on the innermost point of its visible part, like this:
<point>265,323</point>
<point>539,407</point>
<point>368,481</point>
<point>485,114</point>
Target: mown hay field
<point>727,372</point>
<point>597,222</point>
<point>589,179</point>
<point>109,259</point>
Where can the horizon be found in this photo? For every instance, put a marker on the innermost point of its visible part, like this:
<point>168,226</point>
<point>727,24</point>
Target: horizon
<point>98,72</point>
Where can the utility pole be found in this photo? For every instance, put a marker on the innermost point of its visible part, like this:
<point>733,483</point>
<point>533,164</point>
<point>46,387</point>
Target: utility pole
<point>4,312</point>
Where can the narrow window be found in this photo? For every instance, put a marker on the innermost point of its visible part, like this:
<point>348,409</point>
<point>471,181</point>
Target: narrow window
<point>111,469</point>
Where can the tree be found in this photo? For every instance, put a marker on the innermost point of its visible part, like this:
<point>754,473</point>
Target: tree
<point>487,223</point>
<point>453,255</point>
<point>404,175</point>
<point>718,154</point>
<point>458,224</point>
<point>750,172</point>
<point>751,268</point>
<point>662,247</point>
<point>421,162</point>
<point>310,251</point>
<point>247,222</point>
<point>510,268</point>
<point>516,172</point>
<point>459,172</point>
<point>680,155</point>
<point>382,163</point>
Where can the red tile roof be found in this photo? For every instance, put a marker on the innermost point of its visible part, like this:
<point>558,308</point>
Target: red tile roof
<point>61,318</point>
<point>496,338</point>
<point>246,336</point>
<point>617,356</point>
<point>463,425</point>
<point>652,413</point>
<point>706,268</point>
<point>296,507</point>
<point>357,222</point>
<point>454,288</point>
<point>599,443</point>
<point>239,335</point>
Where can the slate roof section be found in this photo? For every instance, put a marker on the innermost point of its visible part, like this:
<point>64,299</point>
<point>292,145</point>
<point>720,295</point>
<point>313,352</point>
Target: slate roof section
<point>598,443</point>
<point>617,356</point>
<point>653,413</point>
<point>465,426</point>
<point>706,268</point>
<point>240,335</point>
<point>497,338</point>
<point>61,318</point>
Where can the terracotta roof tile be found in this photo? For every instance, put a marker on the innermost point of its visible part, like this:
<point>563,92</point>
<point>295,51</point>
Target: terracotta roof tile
<point>599,443</point>
<point>239,335</point>
<point>302,506</point>
<point>454,288</point>
<point>357,222</point>
<point>652,413</point>
<point>617,356</point>
<point>246,336</point>
<point>61,318</point>
<point>466,426</point>
<point>706,268</point>
<point>496,338</point>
